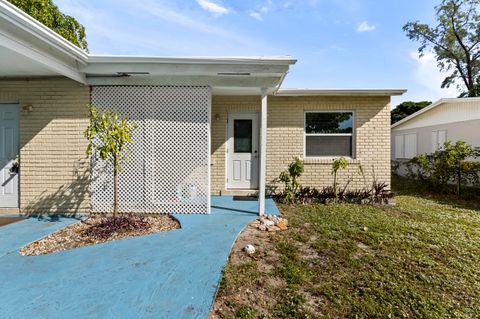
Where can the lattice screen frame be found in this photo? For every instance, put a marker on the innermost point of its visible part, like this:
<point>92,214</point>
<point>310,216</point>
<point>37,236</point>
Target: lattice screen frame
<point>160,147</point>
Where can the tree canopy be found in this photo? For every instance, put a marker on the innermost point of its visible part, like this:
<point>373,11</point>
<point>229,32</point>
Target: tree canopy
<point>407,108</point>
<point>47,13</point>
<point>455,41</point>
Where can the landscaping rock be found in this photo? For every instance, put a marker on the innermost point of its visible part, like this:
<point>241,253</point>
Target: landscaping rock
<point>268,222</point>
<point>249,249</point>
<point>273,228</point>
<point>271,223</point>
<point>282,224</point>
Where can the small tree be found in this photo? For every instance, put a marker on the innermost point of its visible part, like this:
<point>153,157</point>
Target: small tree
<point>337,164</point>
<point>290,178</point>
<point>107,136</point>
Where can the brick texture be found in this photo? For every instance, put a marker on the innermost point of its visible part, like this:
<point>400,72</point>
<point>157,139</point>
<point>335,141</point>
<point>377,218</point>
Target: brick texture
<point>53,165</point>
<point>285,138</point>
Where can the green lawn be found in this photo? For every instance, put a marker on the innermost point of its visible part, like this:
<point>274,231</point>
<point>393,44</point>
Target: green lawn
<point>419,259</point>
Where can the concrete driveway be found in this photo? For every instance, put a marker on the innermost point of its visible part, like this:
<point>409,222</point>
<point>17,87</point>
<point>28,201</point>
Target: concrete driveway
<point>173,274</point>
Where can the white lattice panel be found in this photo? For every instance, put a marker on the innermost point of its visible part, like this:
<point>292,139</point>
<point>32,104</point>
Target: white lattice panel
<point>167,167</point>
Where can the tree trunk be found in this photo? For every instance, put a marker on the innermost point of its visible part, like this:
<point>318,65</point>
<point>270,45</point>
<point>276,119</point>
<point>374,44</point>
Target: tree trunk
<point>459,181</point>
<point>115,185</point>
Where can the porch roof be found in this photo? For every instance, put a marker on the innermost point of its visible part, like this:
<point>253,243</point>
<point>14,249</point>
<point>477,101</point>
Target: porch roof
<point>232,75</point>
<point>29,49</point>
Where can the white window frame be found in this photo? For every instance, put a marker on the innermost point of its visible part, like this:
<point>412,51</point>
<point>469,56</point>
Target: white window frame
<point>436,141</point>
<point>305,134</point>
<point>404,146</point>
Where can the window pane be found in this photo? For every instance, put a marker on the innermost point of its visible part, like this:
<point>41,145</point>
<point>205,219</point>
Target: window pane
<point>328,146</point>
<point>242,136</point>
<point>328,123</point>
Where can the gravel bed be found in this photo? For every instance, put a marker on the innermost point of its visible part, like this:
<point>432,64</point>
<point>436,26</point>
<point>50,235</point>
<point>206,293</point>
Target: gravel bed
<point>72,236</point>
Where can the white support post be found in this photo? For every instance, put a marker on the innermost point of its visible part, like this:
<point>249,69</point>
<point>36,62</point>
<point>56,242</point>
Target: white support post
<point>263,154</point>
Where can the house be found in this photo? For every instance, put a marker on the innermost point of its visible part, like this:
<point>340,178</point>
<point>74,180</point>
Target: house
<point>428,129</point>
<point>205,126</point>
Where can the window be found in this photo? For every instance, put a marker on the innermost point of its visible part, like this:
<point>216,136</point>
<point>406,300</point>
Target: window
<point>328,134</point>
<point>438,139</point>
<point>406,146</point>
<point>242,136</point>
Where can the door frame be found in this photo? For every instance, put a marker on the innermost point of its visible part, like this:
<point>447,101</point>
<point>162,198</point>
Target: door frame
<point>227,142</point>
<point>17,104</point>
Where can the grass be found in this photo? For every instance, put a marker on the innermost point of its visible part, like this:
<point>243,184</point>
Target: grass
<point>419,259</point>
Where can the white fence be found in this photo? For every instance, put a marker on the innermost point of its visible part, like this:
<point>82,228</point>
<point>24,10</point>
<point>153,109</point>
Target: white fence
<point>166,169</point>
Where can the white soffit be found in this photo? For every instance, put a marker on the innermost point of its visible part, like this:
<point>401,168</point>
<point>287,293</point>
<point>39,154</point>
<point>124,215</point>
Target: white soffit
<point>217,72</point>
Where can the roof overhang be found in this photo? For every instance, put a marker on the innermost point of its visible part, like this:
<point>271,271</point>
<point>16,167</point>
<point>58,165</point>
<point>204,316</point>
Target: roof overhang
<point>243,75</point>
<point>29,49</point>
<point>340,92</point>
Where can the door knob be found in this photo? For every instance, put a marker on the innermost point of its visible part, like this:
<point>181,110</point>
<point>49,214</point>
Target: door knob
<point>15,168</point>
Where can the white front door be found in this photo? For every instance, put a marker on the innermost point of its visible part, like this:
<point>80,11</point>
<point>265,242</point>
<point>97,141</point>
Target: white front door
<point>242,151</point>
<point>9,155</point>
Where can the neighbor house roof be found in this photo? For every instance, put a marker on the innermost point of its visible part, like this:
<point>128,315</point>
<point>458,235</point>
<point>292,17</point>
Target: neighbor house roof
<point>432,106</point>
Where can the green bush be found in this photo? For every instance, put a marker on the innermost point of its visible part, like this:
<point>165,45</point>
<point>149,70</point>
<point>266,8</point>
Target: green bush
<point>450,164</point>
<point>290,178</point>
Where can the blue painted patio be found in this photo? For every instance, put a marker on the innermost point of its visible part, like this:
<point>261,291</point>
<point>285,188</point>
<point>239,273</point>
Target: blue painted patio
<point>173,274</point>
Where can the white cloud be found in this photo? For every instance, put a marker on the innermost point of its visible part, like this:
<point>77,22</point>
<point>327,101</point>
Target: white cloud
<point>213,7</point>
<point>365,27</point>
<point>287,5</point>
<point>263,9</point>
<point>429,76</point>
<point>256,15</point>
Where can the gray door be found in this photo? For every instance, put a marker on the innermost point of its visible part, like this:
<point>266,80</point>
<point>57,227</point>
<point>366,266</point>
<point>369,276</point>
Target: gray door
<point>9,147</point>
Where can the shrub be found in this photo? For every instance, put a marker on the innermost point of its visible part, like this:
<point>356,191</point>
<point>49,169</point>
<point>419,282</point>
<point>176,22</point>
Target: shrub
<point>109,226</point>
<point>447,165</point>
<point>290,179</point>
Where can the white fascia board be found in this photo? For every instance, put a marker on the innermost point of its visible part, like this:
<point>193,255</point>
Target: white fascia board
<point>20,19</point>
<point>42,58</point>
<point>340,92</point>
<point>273,60</point>
<point>434,105</point>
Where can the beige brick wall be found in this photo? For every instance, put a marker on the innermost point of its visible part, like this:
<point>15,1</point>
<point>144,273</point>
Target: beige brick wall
<point>285,137</point>
<point>54,168</point>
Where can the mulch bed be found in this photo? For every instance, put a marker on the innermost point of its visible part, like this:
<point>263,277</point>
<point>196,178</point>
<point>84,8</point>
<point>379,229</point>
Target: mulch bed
<point>77,234</point>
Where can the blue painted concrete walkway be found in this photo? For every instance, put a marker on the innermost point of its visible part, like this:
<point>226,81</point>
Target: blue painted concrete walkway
<point>168,275</point>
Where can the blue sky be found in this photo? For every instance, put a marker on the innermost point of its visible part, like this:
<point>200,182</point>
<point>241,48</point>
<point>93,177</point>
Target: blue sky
<point>338,43</point>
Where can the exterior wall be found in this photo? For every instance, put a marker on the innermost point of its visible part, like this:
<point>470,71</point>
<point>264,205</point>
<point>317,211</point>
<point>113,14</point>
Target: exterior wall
<point>53,166</point>
<point>285,138</point>
<point>467,131</point>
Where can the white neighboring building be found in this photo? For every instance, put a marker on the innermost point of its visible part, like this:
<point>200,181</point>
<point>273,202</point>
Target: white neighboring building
<point>426,130</point>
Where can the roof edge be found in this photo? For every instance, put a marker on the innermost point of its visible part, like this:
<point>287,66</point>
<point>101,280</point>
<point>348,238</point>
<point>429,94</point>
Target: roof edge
<point>434,105</point>
<point>42,32</point>
<point>280,60</point>
<point>340,92</point>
